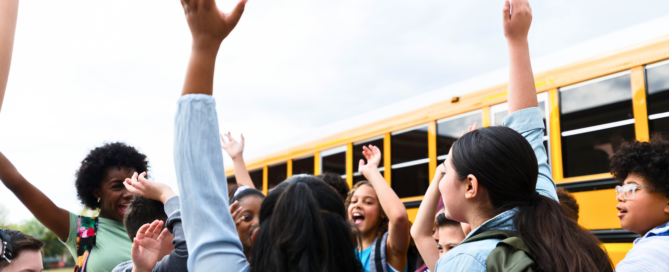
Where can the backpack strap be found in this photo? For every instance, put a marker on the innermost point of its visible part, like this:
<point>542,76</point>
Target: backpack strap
<point>510,254</point>
<point>378,255</point>
<point>87,229</point>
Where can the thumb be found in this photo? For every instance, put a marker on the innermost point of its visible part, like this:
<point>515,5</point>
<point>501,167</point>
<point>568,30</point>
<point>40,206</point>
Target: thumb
<point>506,11</point>
<point>236,14</point>
<point>361,164</point>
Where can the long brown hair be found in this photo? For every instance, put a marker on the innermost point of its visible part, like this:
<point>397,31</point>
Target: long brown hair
<point>382,225</point>
<point>505,164</point>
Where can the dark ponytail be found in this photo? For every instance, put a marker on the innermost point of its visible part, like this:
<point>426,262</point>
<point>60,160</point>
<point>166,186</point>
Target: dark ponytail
<point>505,164</point>
<point>303,227</point>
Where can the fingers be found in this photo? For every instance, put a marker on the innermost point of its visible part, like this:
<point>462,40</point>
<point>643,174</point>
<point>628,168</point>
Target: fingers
<point>234,206</point>
<point>236,14</point>
<point>475,124</point>
<point>238,221</point>
<point>141,231</point>
<point>154,229</point>
<point>242,141</point>
<point>162,235</point>
<point>236,213</point>
<point>142,177</point>
<point>506,11</point>
<point>135,248</point>
<point>376,150</point>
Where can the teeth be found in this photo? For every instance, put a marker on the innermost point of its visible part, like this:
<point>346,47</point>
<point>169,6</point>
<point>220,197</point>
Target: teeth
<point>356,214</point>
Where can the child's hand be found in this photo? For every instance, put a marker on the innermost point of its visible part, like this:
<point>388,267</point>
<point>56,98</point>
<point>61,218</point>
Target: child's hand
<point>470,129</point>
<point>517,20</point>
<point>235,210</point>
<point>235,149</point>
<point>146,246</point>
<point>208,25</point>
<point>373,156</point>
<point>148,189</point>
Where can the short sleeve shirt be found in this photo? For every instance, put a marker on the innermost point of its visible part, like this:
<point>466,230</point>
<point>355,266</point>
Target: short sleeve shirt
<point>112,245</point>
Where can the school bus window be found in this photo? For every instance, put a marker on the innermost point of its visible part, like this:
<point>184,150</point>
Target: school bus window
<point>357,156</point>
<point>657,78</point>
<point>231,180</point>
<point>303,165</point>
<point>256,177</point>
<point>450,129</point>
<point>499,111</point>
<point>334,161</point>
<point>409,157</point>
<point>595,117</point>
<point>276,174</point>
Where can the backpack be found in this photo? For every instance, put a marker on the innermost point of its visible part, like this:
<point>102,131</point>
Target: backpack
<point>378,256</point>
<point>87,229</point>
<point>510,255</point>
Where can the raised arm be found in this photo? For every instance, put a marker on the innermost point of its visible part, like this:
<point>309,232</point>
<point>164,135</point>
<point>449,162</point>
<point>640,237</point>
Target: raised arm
<point>522,92</point>
<point>422,228</point>
<point>208,226</point>
<point>9,10</point>
<point>57,220</point>
<point>524,115</point>
<point>236,150</point>
<point>398,226</point>
<point>208,26</point>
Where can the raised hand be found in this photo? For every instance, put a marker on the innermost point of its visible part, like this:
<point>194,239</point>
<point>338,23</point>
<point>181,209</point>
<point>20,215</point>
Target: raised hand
<point>235,149</point>
<point>235,210</point>
<point>208,25</point>
<point>139,185</point>
<point>146,246</point>
<point>373,156</point>
<point>517,19</point>
<point>470,129</point>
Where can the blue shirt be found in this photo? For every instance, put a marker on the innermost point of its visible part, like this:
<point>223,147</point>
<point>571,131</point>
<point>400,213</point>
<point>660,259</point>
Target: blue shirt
<point>213,244</point>
<point>649,253</point>
<point>472,256</point>
<point>363,257</point>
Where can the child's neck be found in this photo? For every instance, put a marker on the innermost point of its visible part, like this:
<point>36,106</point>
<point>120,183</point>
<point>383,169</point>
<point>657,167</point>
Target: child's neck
<point>368,239</point>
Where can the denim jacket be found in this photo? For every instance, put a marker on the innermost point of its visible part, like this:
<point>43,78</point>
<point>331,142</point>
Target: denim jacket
<point>472,256</point>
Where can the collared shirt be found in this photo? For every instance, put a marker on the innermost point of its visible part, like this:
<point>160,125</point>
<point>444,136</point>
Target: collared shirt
<point>472,256</point>
<point>650,252</point>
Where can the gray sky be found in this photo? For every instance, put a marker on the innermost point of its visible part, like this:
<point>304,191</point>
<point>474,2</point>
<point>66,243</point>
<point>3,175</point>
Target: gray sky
<point>89,72</point>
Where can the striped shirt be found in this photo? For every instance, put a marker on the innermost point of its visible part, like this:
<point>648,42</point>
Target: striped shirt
<point>650,252</point>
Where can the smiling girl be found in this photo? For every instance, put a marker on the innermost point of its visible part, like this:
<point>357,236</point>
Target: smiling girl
<point>378,213</point>
<point>99,184</point>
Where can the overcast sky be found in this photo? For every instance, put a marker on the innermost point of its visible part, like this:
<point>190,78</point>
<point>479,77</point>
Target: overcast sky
<point>89,72</point>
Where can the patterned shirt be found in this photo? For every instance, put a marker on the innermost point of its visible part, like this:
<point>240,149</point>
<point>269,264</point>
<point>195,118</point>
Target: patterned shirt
<point>650,252</point>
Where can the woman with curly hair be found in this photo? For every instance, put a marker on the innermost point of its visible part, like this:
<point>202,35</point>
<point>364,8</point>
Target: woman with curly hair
<point>99,184</point>
<point>643,202</point>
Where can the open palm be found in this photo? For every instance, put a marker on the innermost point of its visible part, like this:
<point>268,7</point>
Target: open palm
<point>373,156</point>
<point>146,246</point>
<point>232,146</point>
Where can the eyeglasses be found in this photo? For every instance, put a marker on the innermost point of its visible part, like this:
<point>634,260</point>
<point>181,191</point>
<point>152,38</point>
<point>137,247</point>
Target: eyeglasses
<point>628,190</point>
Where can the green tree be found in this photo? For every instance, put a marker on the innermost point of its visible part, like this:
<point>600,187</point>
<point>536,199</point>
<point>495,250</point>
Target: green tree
<point>52,246</point>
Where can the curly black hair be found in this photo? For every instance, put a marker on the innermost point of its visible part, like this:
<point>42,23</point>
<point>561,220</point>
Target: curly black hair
<point>650,160</point>
<point>94,167</point>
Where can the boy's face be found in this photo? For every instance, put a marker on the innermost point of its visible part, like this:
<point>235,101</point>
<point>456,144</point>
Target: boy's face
<point>167,247</point>
<point>646,211</point>
<point>449,237</point>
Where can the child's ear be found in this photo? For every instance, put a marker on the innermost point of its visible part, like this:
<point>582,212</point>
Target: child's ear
<point>472,189</point>
<point>666,207</point>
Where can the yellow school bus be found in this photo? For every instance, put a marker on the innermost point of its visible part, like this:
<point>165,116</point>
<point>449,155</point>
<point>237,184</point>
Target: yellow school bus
<point>593,96</point>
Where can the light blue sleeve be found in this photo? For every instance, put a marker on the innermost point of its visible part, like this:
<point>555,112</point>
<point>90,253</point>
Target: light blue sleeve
<point>460,262</point>
<point>208,226</point>
<point>528,122</point>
